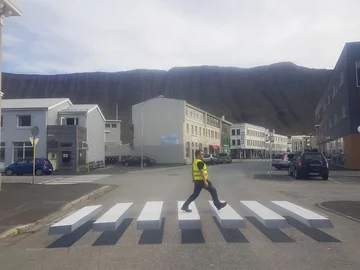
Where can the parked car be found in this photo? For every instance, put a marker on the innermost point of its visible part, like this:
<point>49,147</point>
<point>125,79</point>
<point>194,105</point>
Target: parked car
<point>309,164</point>
<point>281,161</point>
<point>211,159</point>
<point>136,161</point>
<point>224,158</point>
<point>25,166</point>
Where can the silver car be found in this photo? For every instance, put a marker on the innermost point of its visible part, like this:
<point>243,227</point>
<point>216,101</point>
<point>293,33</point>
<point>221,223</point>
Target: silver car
<point>281,161</point>
<point>211,159</point>
<point>224,158</point>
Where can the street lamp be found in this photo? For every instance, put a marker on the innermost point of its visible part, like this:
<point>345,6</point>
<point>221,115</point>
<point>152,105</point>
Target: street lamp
<point>7,9</point>
<point>142,129</point>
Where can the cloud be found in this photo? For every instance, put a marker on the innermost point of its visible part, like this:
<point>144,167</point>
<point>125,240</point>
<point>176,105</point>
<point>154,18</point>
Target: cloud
<point>114,35</point>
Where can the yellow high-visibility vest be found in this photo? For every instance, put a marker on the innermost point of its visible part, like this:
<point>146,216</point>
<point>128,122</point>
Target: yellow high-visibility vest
<point>196,171</point>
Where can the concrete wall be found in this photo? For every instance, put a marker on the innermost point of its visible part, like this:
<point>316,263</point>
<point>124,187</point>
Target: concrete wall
<point>52,114</point>
<point>162,116</point>
<point>10,132</point>
<point>95,125</point>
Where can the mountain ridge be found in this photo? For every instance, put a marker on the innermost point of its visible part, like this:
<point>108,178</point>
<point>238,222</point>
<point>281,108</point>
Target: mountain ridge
<point>282,96</point>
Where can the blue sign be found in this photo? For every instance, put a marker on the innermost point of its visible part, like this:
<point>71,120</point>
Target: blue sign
<point>171,139</point>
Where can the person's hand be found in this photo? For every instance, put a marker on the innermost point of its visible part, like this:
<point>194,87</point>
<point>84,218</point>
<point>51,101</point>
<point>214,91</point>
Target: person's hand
<point>206,184</point>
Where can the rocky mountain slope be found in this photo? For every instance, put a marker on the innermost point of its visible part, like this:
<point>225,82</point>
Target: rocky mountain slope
<point>282,96</point>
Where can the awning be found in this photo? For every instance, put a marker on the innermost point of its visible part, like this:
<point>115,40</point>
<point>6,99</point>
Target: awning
<point>215,146</point>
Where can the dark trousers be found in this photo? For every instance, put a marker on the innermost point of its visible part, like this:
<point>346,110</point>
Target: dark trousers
<point>198,186</point>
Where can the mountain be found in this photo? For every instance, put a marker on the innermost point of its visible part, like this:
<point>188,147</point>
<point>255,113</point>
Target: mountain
<point>282,96</point>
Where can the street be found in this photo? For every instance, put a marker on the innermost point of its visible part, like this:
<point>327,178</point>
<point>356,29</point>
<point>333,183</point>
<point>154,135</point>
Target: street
<point>254,247</point>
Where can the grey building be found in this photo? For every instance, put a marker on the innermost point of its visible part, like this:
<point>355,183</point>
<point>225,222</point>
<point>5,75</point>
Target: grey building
<point>338,112</point>
<point>56,139</point>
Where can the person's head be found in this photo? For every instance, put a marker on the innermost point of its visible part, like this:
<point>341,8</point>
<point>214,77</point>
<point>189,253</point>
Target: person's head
<point>199,154</point>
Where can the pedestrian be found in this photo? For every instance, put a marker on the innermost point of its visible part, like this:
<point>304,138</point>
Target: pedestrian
<point>200,179</point>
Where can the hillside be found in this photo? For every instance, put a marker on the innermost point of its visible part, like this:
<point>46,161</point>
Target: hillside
<point>281,96</point>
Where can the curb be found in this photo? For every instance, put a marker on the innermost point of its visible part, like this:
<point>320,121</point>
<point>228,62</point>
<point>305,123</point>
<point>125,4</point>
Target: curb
<point>336,212</point>
<point>85,197</point>
<point>18,229</point>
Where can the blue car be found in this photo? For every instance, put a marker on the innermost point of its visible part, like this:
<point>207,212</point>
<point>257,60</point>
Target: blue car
<point>25,166</point>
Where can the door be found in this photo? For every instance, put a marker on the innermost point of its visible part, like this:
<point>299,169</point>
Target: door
<point>66,158</point>
<point>53,158</point>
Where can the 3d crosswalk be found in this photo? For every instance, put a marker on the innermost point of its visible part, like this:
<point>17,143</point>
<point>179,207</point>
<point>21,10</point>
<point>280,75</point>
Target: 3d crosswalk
<point>150,217</point>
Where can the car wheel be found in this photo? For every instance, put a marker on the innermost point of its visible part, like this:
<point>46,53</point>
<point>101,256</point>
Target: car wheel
<point>290,173</point>
<point>9,172</point>
<point>39,172</point>
<point>325,176</point>
<point>296,174</point>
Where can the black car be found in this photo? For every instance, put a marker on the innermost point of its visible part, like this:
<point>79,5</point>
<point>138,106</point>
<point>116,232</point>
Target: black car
<point>306,164</point>
<point>136,161</point>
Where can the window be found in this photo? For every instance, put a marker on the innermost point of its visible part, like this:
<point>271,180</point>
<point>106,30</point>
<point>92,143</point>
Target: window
<point>200,131</point>
<point>358,74</point>
<point>233,142</point>
<point>212,134</point>
<point>82,157</point>
<point>191,113</point>
<point>204,131</point>
<point>113,125</point>
<point>2,152</point>
<point>187,149</point>
<point>53,144</point>
<point>72,121</point>
<point>192,129</point>
<point>233,132</point>
<point>107,125</point>
<point>187,128</point>
<point>22,150</point>
<point>187,112</point>
<point>65,144</point>
<point>24,120</point>
<point>238,132</point>
<point>195,130</point>
<point>238,142</point>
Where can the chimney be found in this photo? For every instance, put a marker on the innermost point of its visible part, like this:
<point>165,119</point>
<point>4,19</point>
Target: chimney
<point>223,117</point>
<point>117,111</point>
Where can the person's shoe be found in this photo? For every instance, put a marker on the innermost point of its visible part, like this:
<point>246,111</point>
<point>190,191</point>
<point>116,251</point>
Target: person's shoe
<point>221,205</point>
<point>186,209</point>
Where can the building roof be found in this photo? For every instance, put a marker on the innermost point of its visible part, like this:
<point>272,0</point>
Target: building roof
<point>33,103</point>
<point>83,108</point>
<point>10,8</point>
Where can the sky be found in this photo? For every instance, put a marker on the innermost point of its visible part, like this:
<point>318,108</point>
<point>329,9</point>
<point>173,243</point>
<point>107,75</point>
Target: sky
<point>68,36</point>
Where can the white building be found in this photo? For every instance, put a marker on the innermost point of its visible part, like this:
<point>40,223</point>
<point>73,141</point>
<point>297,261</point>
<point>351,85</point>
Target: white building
<point>247,141</point>
<point>300,142</point>
<point>280,143</point>
<point>173,130</point>
<point>70,135</point>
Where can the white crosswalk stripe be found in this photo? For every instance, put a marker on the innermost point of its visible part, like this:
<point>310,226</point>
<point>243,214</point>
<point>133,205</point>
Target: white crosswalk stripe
<point>79,179</point>
<point>110,219</point>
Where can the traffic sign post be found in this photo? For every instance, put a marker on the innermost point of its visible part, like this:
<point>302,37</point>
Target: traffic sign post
<point>34,132</point>
<point>271,140</point>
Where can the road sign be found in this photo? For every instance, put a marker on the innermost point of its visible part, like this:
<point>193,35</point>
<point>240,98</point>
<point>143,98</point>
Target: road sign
<point>31,140</point>
<point>35,131</point>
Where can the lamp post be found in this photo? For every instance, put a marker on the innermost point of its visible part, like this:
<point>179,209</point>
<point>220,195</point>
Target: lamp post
<point>7,9</point>
<point>142,129</point>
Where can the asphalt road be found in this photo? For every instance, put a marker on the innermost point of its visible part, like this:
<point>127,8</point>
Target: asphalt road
<point>254,247</point>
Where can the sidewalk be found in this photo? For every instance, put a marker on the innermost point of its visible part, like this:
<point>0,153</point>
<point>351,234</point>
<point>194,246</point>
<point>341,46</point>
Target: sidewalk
<point>22,204</point>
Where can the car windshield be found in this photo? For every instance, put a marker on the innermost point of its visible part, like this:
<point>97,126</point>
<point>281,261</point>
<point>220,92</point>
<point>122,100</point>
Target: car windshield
<point>277,157</point>
<point>313,156</point>
<point>291,156</point>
